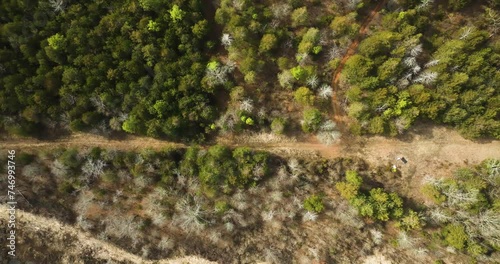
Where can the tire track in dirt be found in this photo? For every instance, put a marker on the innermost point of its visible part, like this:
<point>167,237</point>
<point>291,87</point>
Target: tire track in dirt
<point>338,115</point>
<point>103,250</point>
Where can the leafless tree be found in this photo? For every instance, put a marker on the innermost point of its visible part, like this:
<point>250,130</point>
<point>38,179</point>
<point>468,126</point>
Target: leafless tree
<point>420,252</point>
<point>493,167</point>
<point>327,133</point>
<point>271,255</point>
<point>246,105</point>
<point>226,40</point>
<point>325,91</point>
<point>190,215</point>
<point>458,197</point>
<point>239,4</point>
<point>313,81</point>
<point>348,215</point>
<point>309,216</point>
<point>226,122</point>
<point>297,202</point>
<point>145,251</point>
<point>121,225</point>
<point>302,58</point>
<point>217,75</point>
<point>416,69</point>
<point>229,226</point>
<point>281,11</point>
<point>382,108</point>
<point>234,217</point>
<point>433,181</point>
<point>377,236</point>
<point>83,202</point>
<point>142,181</point>
<point>410,62</point>
<point>153,207</point>
<point>268,216</point>
<point>405,241</point>
<point>58,169</point>
<point>431,63</point>
<point>488,223</point>
<point>282,174</point>
<point>439,216</point>
<point>335,52</point>
<point>258,171</point>
<point>427,77</point>
<point>99,104</point>
<point>93,169</point>
<point>57,5</point>
<point>230,65</point>
<point>295,167</point>
<point>32,170</point>
<point>351,4</point>
<point>425,4</point>
<point>262,112</point>
<point>466,32</point>
<point>415,51</point>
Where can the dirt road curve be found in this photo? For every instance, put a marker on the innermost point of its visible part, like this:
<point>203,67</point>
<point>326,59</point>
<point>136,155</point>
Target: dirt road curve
<point>103,250</point>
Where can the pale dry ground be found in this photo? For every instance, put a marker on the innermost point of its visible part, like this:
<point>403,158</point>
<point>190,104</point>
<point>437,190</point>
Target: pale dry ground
<point>103,250</point>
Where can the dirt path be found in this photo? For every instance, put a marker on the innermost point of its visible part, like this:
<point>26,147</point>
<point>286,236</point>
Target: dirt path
<point>29,223</point>
<point>422,143</point>
<point>338,114</point>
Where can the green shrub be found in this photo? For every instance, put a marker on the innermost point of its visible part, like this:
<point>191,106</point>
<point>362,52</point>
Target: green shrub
<point>347,190</point>
<point>378,204</point>
<point>278,125</point>
<point>65,187</point>
<point>455,236</point>
<point>299,73</point>
<point>412,220</point>
<point>299,16</point>
<point>267,43</point>
<point>312,120</point>
<point>314,203</point>
<point>221,207</point>
<point>25,158</point>
<point>433,193</point>
<point>70,158</point>
<point>475,249</point>
<point>353,177</point>
<point>309,40</point>
<point>304,96</point>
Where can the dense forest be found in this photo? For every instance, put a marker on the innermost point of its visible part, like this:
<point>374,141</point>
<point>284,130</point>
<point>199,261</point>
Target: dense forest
<point>182,70</point>
<point>417,64</point>
<point>100,66</point>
